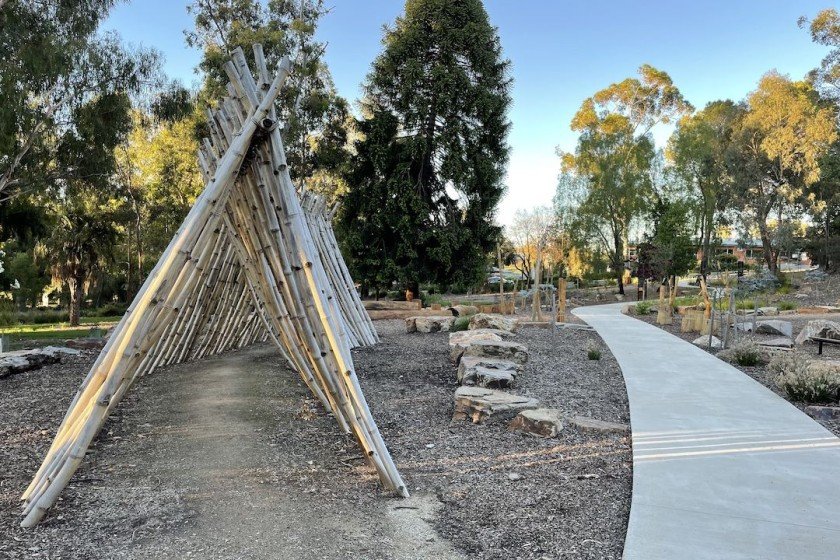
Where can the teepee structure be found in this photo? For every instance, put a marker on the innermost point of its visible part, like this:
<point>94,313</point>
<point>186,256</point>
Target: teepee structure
<point>254,260</point>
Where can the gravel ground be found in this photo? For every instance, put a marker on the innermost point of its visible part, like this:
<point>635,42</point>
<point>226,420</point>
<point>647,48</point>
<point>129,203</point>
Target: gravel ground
<point>202,461</point>
<point>760,373</point>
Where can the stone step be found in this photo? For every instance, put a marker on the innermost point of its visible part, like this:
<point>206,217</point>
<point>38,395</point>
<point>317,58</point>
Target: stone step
<point>459,341</point>
<point>542,422</point>
<point>506,350</point>
<point>479,404</point>
<point>487,321</point>
<point>470,368</point>
<point>430,324</point>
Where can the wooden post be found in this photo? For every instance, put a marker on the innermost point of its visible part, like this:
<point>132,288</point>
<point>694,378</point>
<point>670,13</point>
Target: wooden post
<point>561,300</point>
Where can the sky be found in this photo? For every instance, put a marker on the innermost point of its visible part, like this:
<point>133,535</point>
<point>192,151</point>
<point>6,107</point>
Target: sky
<point>561,52</point>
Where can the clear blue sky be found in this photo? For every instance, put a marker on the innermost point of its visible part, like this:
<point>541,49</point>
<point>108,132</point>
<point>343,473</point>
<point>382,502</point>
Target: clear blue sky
<point>562,52</point>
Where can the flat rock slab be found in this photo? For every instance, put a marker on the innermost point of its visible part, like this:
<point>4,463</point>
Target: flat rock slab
<point>463,310</point>
<point>777,342</point>
<point>774,326</point>
<point>819,328</point>
<point>574,326</point>
<point>27,360</point>
<point>491,378</point>
<point>768,310</point>
<point>505,350</point>
<point>488,321</point>
<point>591,425</point>
<point>542,422</point>
<point>830,413</point>
<point>478,404</point>
<point>471,368</point>
<point>459,341</point>
<point>433,323</point>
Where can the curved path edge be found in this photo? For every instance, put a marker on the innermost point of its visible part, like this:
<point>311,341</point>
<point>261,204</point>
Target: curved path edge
<point>723,468</point>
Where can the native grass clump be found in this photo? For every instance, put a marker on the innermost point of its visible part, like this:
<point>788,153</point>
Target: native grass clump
<point>805,380</point>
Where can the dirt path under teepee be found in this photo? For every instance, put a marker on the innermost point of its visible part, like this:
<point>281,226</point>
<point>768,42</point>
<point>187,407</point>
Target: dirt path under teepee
<point>253,492</point>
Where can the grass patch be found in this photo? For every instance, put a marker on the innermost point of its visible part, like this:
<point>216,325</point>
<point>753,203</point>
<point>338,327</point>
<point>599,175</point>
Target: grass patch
<point>787,305</point>
<point>593,352</point>
<point>644,307</point>
<point>461,323</point>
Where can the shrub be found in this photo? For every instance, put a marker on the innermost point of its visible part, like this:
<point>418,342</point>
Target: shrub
<point>593,352</point>
<point>644,307</point>
<point>746,353</point>
<point>787,305</point>
<point>803,380</point>
<point>461,323</point>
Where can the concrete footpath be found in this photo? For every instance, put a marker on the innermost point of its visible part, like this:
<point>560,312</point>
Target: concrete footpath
<point>723,468</point>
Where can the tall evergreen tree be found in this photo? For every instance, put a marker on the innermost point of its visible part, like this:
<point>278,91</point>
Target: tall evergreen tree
<point>429,169</point>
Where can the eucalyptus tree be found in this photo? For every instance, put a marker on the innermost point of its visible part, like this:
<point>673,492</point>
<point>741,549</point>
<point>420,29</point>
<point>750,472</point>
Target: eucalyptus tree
<point>615,152</point>
<point>429,169</point>
<point>776,155</point>
<point>698,149</point>
<point>825,30</point>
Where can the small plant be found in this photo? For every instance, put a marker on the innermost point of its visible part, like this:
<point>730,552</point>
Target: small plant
<point>644,307</point>
<point>461,324</point>
<point>593,352</point>
<point>803,380</point>
<point>787,305</point>
<point>746,353</point>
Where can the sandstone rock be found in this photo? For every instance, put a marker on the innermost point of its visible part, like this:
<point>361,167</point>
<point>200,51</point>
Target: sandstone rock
<point>505,350</point>
<point>703,341</point>
<point>430,324</point>
<point>769,310</point>
<point>479,404</point>
<point>27,360</point>
<point>493,378</point>
<point>830,413</point>
<point>463,310</point>
<point>586,424</point>
<point>777,342</point>
<point>458,341</point>
<point>486,321</point>
<point>410,324</point>
<point>773,326</point>
<point>819,328</point>
<point>471,369</point>
<point>543,422</point>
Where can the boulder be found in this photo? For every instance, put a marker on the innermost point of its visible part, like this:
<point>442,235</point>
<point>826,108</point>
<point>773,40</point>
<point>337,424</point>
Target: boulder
<point>27,360</point>
<point>703,341</point>
<point>591,425</point>
<point>463,310</point>
<point>430,324</point>
<point>774,326</point>
<point>505,350</point>
<point>492,378</point>
<point>819,328</point>
<point>487,321</point>
<point>471,370</point>
<point>542,422</point>
<point>478,404</point>
<point>777,342</point>
<point>458,341</point>
<point>769,310</point>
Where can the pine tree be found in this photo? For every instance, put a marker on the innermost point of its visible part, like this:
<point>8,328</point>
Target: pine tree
<point>428,172</point>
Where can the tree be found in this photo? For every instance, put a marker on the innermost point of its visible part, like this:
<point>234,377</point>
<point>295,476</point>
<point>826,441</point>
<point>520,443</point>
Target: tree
<point>54,61</point>
<point>778,146</point>
<point>530,234</point>
<point>615,152</point>
<point>429,169</point>
<point>825,30</point>
<point>315,116</point>
<point>698,148</point>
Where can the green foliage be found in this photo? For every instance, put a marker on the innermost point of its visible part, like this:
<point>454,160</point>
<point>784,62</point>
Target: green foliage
<point>644,307</point>
<point>428,170</point>
<point>805,381</point>
<point>787,305</point>
<point>461,323</point>
<point>593,352</point>
<point>745,353</point>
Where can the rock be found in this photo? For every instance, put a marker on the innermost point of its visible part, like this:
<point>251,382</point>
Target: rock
<point>830,413</point>
<point>59,351</point>
<point>514,476</point>
<point>505,350</point>
<point>472,370</point>
<point>586,424</point>
<point>410,324</point>
<point>463,310</point>
<point>26,360</point>
<point>430,324</point>
<point>801,296</point>
<point>85,343</point>
<point>768,310</point>
<point>542,422</point>
<point>458,341</point>
<point>479,404</point>
<point>487,321</point>
<point>774,326</point>
<point>819,328</point>
<point>829,308</point>
<point>777,342</point>
<point>619,297</point>
<point>574,326</point>
<point>703,341</point>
